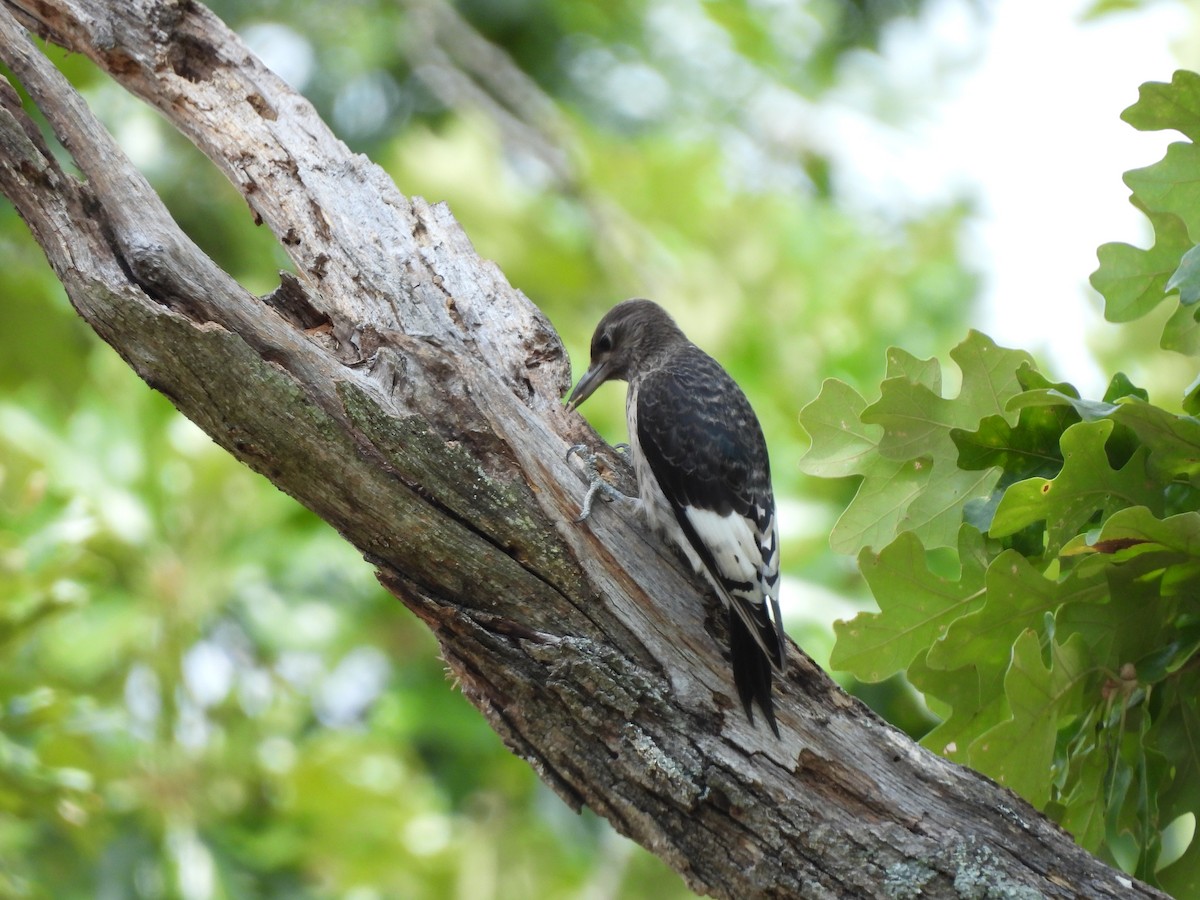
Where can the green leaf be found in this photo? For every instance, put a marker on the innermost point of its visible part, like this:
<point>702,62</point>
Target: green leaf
<point>1152,773</point>
<point>1028,449</point>
<point>925,372</point>
<point>1019,752</point>
<point>917,421</point>
<point>1155,667</point>
<point>915,606</point>
<point>1083,814</point>
<point>937,512</point>
<point>841,443</point>
<point>1186,279</point>
<point>1179,533</point>
<point>1089,410</point>
<point>1124,629</point>
<point>1172,440</point>
<point>974,708</point>
<point>1017,599</point>
<point>1171,185</point>
<point>1182,878</point>
<point>1133,281</point>
<point>1176,734</point>
<point>1168,550</point>
<point>1181,334</point>
<point>1191,398</point>
<point>1087,486</point>
<point>874,516</point>
<point>1120,387</point>
<point>915,484</point>
<point>1164,106</point>
<point>1119,822</point>
<point>1031,379</point>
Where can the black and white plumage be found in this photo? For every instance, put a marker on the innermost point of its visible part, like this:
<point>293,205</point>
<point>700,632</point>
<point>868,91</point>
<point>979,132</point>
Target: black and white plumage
<point>704,479</point>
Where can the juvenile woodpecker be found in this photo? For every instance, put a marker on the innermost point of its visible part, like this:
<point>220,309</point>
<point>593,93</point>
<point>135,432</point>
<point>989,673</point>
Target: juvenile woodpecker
<point>704,480</point>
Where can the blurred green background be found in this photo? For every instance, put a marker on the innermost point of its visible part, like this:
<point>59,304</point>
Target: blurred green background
<point>203,691</point>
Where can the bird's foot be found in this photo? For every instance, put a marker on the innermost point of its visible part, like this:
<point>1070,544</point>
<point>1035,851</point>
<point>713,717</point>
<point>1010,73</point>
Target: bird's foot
<point>596,483</point>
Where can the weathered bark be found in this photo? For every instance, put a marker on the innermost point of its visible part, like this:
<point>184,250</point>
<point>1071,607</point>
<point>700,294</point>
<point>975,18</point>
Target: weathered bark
<point>399,387</point>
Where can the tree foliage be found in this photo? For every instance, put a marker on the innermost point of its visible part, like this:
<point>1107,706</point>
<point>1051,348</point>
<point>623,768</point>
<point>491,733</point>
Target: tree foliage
<point>1036,556</point>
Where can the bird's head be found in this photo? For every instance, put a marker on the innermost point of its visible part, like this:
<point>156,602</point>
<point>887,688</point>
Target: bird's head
<point>634,336</point>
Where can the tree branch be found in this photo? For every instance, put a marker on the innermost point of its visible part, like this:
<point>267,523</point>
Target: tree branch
<point>400,388</point>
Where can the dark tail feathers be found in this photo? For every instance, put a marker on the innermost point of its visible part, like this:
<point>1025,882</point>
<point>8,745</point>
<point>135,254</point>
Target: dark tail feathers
<point>751,670</point>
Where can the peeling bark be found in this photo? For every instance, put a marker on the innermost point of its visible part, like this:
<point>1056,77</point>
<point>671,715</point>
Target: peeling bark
<point>401,389</point>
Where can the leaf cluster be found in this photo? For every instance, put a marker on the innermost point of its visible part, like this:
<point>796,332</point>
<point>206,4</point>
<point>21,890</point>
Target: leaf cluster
<point>1036,556</point>
<point>1134,281</point>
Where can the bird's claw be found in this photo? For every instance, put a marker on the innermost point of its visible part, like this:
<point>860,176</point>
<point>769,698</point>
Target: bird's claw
<point>596,483</point>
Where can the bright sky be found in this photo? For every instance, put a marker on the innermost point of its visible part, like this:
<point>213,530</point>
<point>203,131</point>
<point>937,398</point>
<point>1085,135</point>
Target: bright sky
<point>1032,129</point>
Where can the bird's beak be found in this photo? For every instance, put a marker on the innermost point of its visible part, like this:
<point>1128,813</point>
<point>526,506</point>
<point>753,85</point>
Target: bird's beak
<point>592,379</point>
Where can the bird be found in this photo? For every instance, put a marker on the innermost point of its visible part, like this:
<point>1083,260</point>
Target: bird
<point>703,477</point>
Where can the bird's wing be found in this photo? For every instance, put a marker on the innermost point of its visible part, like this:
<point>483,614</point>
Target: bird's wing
<point>703,443</point>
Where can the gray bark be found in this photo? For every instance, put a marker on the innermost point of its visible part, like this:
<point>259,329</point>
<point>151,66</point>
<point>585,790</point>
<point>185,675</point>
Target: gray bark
<point>403,390</point>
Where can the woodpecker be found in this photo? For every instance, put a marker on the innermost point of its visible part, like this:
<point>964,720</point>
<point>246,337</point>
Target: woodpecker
<point>704,479</point>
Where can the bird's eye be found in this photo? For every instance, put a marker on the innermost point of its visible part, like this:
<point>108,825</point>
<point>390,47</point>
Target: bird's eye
<point>603,343</point>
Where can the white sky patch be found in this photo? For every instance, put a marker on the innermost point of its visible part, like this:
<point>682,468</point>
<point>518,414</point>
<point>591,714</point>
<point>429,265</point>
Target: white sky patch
<point>347,692</point>
<point>143,699</point>
<point>806,601</point>
<point>285,51</point>
<point>208,672</point>
<point>1029,125</point>
<point>1050,202</point>
<point>195,869</point>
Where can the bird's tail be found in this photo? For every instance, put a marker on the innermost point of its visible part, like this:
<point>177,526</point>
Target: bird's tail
<point>751,668</point>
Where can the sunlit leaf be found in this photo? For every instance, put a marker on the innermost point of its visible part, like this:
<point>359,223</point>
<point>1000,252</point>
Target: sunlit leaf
<point>1168,106</point>
<point>841,443</point>
<point>916,607</point>
<point>1170,186</point>
<point>917,420</point>
<point>1133,281</point>
<point>902,445</point>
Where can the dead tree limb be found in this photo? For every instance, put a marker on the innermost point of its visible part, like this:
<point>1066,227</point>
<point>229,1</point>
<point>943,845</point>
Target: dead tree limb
<point>399,387</point>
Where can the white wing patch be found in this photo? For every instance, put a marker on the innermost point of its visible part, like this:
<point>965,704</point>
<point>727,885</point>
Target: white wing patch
<point>747,562</point>
<point>731,541</point>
